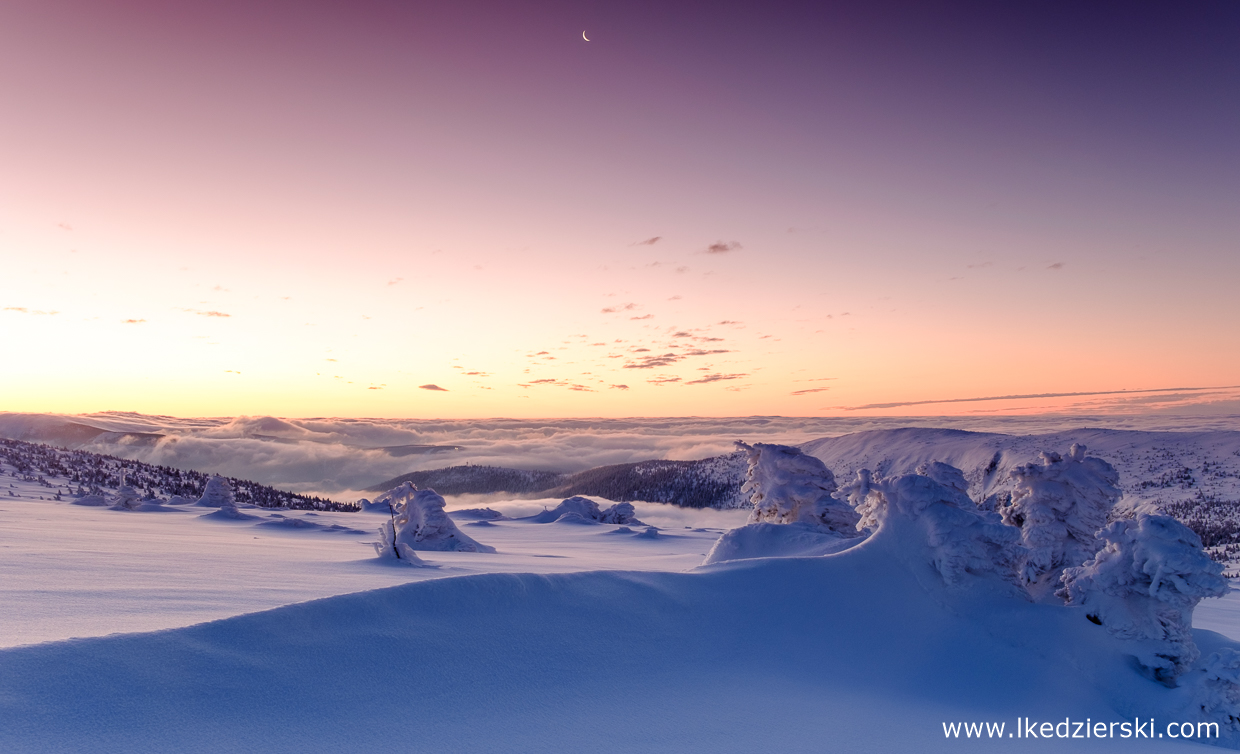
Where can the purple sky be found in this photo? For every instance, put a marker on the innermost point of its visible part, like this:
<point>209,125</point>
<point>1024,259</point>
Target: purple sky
<point>906,203</point>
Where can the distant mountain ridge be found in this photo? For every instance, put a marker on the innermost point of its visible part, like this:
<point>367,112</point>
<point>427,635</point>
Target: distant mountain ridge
<point>707,483</point>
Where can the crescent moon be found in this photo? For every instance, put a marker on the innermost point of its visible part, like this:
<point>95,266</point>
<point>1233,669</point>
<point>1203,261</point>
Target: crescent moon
<point>583,36</point>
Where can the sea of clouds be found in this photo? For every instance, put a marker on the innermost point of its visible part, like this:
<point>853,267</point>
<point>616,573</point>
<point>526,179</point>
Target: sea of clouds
<point>342,457</point>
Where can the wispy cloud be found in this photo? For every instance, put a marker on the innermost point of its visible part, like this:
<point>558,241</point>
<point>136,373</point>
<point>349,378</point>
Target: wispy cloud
<point>649,241</point>
<point>716,378</point>
<point>662,380</point>
<point>623,308</point>
<point>24,310</point>
<point>132,321</point>
<point>810,390</point>
<point>435,387</point>
<point>901,404</point>
<point>1055,266</point>
<point>720,247</point>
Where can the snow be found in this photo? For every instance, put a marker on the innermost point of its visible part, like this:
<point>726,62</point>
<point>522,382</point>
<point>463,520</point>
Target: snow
<point>582,510</point>
<point>861,651</point>
<point>1059,503</point>
<point>284,633</point>
<point>1143,585</point>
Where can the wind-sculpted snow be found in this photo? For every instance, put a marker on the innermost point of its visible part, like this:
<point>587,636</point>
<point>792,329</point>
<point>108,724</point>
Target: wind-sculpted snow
<point>919,515</point>
<point>861,651</point>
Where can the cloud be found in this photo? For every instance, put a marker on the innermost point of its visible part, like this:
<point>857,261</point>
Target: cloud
<point>1055,266</point>
<point>716,378</point>
<point>651,362</point>
<point>719,247</point>
<point>394,281</point>
<point>337,456</point>
<point>901,404</point>
<point>132,321</point>
<point>810,390</point>
<point>36,312</point>
<point>644,316</point>
<point>64,226</point>
<point>728,322</point>
<point>624,308</point>
<point>662,380</point>
<point>433,386</point>
<point>649,241</point>
<point>620,387</point>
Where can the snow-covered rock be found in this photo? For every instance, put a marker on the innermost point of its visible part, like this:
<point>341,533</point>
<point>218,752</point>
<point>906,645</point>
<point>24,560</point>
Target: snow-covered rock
<point>1059,504</point>
<point>1142,587</point>
<point>583,510</point>
<point>421,524</point>
<point>478,514</point>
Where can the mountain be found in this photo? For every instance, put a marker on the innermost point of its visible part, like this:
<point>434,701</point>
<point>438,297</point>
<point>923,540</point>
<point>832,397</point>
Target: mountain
<point>70,473</point>
<point>708,483</point>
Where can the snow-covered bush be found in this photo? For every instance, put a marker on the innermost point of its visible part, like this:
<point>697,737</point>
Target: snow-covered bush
<point>421,524</point>
<point>583,510</point>
<point>1218,690</point>
<point>785,485</point>
<point>1059,504</point>
<point>1142,587</point>
<point>916,514</point>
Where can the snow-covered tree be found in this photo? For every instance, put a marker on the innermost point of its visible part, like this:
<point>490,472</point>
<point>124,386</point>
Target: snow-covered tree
<point>420,523</point>
<point>218,493</point>
<point>1059,504</point>
<point>126,497</point>
<point>785,486</point>
<point>1142,587</point>
<point>918,514</point>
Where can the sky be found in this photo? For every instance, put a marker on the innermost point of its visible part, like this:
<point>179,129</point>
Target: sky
<point>461,210</point>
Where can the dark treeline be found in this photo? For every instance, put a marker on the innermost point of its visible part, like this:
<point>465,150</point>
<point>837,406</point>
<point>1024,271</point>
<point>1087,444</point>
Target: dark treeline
<point>91,473</point>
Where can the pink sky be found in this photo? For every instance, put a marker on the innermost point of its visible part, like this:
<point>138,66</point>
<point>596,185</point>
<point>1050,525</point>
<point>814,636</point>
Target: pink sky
<point>321,208</point>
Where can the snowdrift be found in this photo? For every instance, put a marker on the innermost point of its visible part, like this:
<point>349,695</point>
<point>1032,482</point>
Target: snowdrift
<point>867,650</point>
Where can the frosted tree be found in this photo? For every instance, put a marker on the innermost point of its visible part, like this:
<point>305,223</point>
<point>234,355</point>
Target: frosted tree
<point>921,515</point>
<point>126,497</point>
<point>218,493</point>
<point>420,523</point>
<point>1059,504</point>
<point>1142,587</point>
<point>786,486</point>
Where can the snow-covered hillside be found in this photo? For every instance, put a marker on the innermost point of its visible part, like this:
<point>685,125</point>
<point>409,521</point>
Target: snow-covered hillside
<point>862,651</point>
<point>1193,476</point>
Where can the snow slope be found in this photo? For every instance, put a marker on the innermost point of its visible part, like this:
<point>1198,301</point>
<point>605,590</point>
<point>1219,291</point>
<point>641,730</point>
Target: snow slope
<point>861,651</point>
